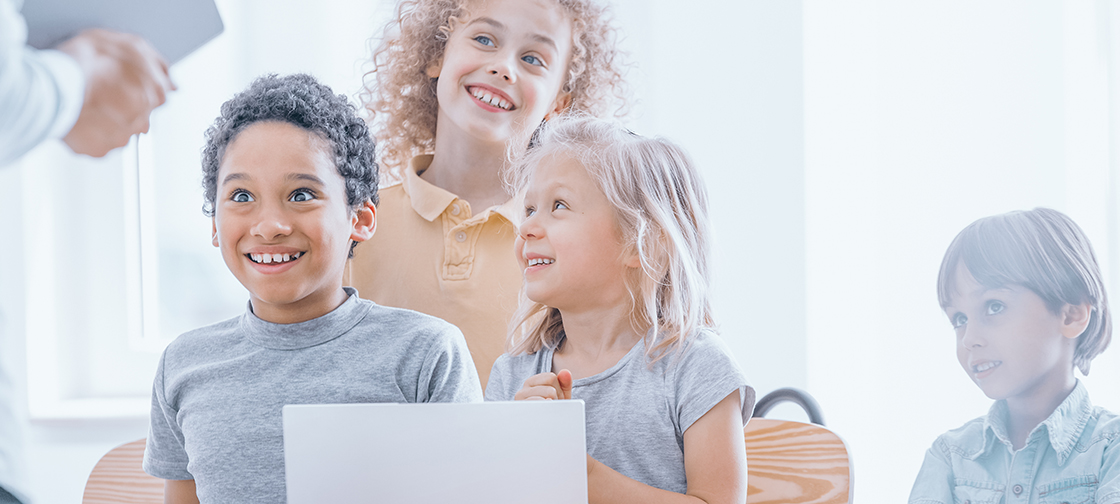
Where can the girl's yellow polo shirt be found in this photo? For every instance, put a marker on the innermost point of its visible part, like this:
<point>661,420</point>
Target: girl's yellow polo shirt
<point>432,254</point>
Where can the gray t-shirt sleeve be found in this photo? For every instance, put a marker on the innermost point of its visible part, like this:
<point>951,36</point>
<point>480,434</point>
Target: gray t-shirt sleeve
<point>165,456</point>
<point>496,387</point>
<point>706,375</point>
<point>448,371</point>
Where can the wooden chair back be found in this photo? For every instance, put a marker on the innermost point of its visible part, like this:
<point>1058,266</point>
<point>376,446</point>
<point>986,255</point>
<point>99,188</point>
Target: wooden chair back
<point>118,478</point>
<point>796,463</point>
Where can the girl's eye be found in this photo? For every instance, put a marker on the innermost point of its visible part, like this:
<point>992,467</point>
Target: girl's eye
<point>484,40</point>
<point>529,211</point>
<point>995,307</point>
<point>958,320</point>
<point>559,205</point>
<point>241,197</point>
<point>532,60</point>
<point>300,195</point>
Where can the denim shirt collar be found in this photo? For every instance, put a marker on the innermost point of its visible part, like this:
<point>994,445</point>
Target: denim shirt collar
<point>1063,427</point>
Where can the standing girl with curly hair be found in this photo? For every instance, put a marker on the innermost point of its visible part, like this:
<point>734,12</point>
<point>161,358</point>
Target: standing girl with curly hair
<point>457,90</point>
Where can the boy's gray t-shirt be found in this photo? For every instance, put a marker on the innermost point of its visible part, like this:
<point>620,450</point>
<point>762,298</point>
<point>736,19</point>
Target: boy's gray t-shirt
<point>637,414</point>
<point>219,390</point>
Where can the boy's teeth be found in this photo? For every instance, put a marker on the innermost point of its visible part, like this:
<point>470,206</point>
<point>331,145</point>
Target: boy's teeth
<point>274,258</point>
<point>980,368</point>
<point>535,262</point>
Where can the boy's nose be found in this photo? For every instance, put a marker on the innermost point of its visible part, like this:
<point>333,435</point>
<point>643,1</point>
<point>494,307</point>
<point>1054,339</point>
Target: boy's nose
<point>271,226</point>
<point>971,337</point>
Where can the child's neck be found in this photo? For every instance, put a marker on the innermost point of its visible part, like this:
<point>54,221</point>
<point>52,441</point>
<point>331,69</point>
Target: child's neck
<point>1026,413</point>
<point>595,340</point>
<point>308,308</point>
<point>468,168</point>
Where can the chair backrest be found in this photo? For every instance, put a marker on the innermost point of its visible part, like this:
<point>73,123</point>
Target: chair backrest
<point>796,463</point>
<point>119,478</point>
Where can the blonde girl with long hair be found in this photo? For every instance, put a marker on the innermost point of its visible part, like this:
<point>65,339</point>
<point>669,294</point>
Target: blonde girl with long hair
<point>457,89</point>
<point>615,311</point>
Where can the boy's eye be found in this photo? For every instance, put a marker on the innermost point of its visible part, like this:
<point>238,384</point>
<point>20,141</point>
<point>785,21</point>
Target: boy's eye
<point>301,195</point>
<point>532,60</point>
<point>529,211</point>
<point>958,319</point>
<point>995,307</point>
<point>484,40</point>
<point>241,197</point>
<point>559,205</point>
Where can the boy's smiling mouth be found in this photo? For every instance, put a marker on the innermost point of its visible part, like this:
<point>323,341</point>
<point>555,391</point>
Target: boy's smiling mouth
<point>274,258</point>
<point>984,368</point>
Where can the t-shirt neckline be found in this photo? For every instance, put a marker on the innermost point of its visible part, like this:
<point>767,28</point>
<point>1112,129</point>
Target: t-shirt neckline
<point>308,333</point>
<point>611,371</point>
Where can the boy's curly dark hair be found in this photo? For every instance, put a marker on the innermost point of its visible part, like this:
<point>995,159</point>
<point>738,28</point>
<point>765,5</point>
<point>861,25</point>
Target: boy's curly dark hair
<point>300,100</point>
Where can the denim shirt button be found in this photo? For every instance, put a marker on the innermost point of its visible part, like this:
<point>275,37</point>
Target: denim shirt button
<point>967,502</point>
<point>1017,489</point>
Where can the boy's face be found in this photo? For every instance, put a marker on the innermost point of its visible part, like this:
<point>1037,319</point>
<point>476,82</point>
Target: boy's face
<point>1011,344</point>
<point>502,68</point>
<point>282,221</point>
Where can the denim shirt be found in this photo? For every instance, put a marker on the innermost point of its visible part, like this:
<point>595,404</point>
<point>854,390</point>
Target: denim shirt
<point>1072,457</point>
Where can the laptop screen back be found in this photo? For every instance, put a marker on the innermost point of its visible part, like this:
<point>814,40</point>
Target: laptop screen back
<point>494,453</point>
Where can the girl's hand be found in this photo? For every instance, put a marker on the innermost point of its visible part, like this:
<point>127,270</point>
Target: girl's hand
<point>546,386</point>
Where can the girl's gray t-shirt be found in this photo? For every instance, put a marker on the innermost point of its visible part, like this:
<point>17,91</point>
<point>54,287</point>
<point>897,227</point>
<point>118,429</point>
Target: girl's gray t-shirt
<point>637,414</point>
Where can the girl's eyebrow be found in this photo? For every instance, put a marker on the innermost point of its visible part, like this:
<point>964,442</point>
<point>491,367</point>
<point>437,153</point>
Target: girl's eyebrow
<point>499,26</point>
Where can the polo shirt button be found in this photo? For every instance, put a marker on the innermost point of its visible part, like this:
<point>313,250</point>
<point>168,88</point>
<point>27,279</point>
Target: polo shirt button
<point>1017,489</point>
<point>455,210</point>
<point>461,237</point>
<point>967,502</point>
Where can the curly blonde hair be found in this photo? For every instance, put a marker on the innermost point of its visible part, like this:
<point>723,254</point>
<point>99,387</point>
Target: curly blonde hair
<point>661,205</point>
<point>400,97</point>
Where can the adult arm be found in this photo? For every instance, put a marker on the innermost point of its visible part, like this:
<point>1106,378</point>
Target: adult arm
<point>95,92</point>
<point>41,92</point>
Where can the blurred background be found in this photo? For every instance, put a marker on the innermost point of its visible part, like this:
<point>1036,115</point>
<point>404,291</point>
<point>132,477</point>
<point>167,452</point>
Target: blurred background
<point>844,143</point>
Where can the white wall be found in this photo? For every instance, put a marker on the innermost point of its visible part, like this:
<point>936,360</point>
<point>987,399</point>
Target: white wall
<point>921,117</point>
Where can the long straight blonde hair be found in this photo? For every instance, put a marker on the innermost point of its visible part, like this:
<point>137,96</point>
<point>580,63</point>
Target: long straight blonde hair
<point>661,207</point>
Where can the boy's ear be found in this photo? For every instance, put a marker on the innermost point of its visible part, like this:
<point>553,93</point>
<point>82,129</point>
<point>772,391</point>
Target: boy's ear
<point>563,101</point>
<point>364,221</point>
<point>1075,318</point>
<point>434,68</point>
<point>214,236</point>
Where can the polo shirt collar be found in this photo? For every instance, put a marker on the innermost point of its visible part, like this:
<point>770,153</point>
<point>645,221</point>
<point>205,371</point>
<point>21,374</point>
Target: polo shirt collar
<point>1063,427</point>
<point>429,201</point>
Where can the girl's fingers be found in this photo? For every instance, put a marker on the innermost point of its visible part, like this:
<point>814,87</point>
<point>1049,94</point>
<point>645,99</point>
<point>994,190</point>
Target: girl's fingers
<point>537,392</point>
<point>564,380</point>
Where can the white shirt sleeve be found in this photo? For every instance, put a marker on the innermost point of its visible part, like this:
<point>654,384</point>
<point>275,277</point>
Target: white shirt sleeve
<point>41,92</point>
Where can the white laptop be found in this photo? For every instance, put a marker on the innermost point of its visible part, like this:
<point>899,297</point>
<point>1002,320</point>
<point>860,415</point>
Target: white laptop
<point>493,453</point>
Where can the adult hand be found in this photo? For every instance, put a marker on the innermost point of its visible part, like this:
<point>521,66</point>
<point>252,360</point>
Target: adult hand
<point>546,386</point>
<point>125,80</point>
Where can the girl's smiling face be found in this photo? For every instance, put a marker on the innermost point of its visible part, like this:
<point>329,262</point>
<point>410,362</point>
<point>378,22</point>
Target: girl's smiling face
<point>503,68</point>
<point>1011,343</point>
<point>569,245</point>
